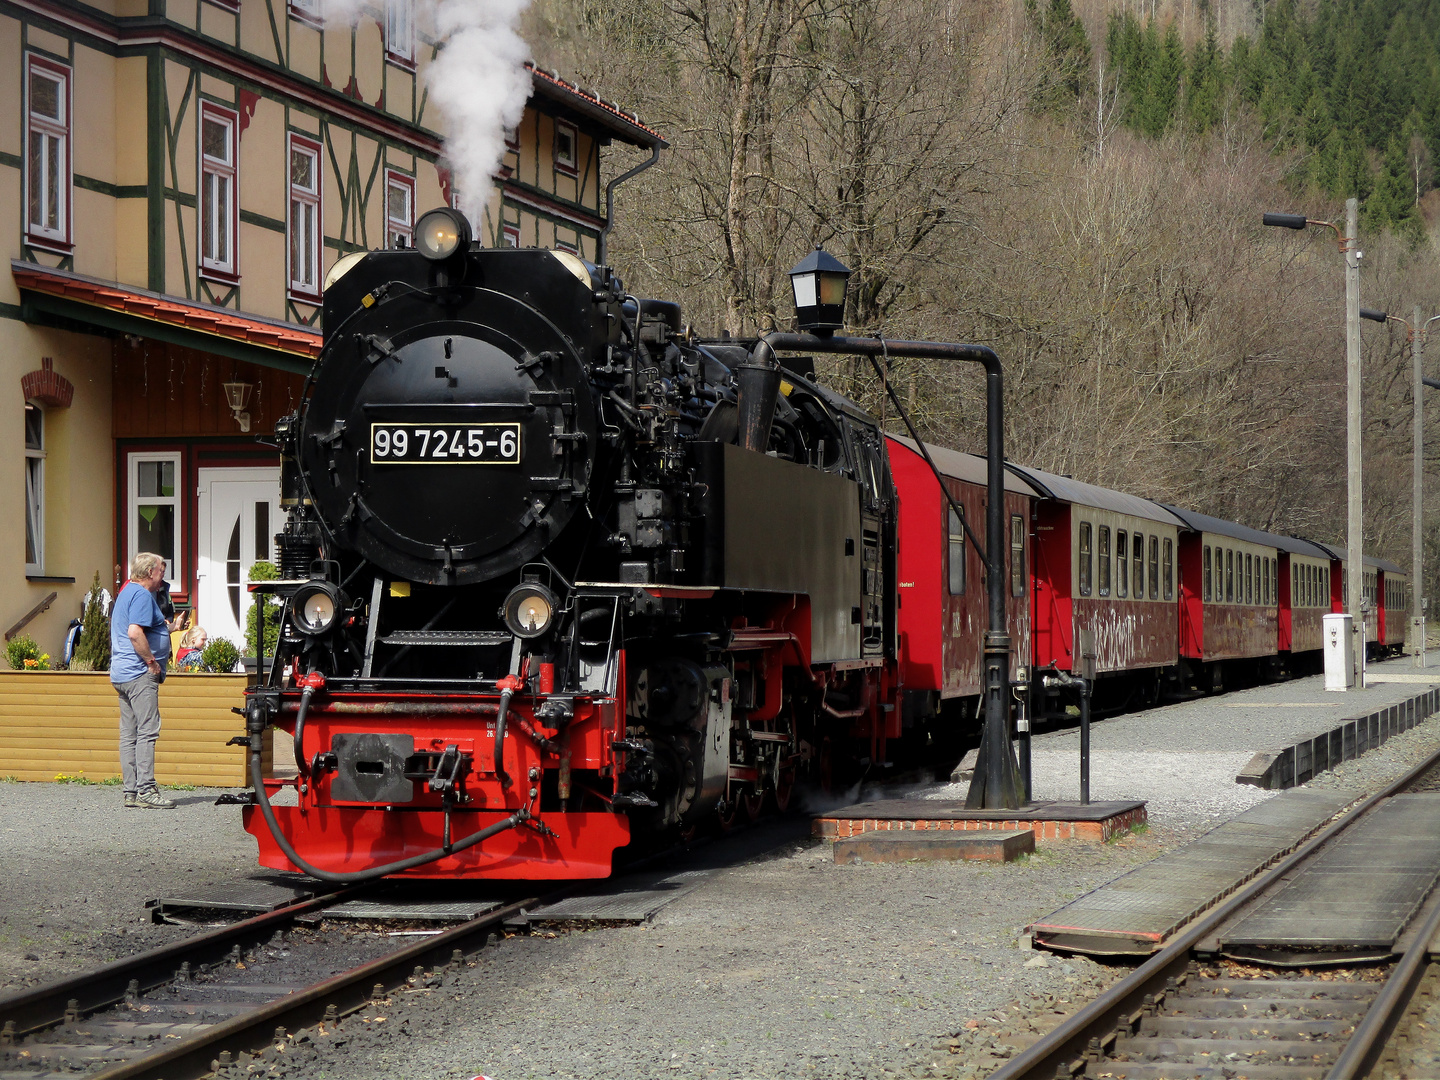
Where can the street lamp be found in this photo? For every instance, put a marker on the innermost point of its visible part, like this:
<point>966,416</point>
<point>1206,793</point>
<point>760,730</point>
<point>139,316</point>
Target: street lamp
<point>819,282</point>
<point>1355,581</point>
<point>1415,334</point>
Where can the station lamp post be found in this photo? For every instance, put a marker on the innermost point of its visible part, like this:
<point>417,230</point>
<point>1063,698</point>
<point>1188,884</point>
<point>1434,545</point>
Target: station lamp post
<point>819,282</point>
<point>1354,539</point>
<point>1415,334</point>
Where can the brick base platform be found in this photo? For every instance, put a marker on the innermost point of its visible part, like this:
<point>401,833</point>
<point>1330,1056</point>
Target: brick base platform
<point>1047,820</point>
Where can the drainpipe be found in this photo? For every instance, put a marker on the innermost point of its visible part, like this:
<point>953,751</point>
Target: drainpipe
<point>610,199</point>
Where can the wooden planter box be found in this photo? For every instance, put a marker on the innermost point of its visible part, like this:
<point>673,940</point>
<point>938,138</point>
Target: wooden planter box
<point>68,723</point>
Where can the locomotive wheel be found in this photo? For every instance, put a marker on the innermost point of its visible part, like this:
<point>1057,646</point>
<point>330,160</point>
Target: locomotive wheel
<point>784,787</point>
<point>728,814</point>
<point>752,801</point>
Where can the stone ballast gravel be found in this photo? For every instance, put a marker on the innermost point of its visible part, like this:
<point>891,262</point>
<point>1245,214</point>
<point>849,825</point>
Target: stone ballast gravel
<point>784,966</point>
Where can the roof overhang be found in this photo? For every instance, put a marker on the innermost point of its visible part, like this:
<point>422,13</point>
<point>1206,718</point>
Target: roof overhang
<point>622,125</point>
<point>107,306</point>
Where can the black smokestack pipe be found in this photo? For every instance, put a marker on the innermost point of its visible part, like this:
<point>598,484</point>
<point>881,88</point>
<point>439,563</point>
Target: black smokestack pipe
<point>755,395</point>
<point>996,785</point>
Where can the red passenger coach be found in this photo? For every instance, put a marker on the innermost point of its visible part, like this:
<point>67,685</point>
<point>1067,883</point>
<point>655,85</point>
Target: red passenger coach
<point>941,606</point>
<point>1105,579</point>
<point>1232,601</point>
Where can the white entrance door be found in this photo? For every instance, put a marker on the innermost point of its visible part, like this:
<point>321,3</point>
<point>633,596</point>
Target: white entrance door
<point>239,515</point>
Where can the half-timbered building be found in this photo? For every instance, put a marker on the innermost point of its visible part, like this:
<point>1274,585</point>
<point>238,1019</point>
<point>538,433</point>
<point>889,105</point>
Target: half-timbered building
<point>177,177</point>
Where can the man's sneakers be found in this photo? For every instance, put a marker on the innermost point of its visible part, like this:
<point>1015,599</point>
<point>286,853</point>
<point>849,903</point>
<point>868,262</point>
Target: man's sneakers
<point>130,801</point>
<point>151,799</point>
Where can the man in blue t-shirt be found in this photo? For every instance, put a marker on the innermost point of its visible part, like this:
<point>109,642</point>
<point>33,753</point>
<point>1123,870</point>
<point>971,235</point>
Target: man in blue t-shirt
<point>139,648</point>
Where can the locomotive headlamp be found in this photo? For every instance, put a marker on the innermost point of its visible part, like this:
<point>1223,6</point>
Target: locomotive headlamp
<point>819,283</point>
<point>315,606</point>
<point>439,234</point>
<point>529,610</point>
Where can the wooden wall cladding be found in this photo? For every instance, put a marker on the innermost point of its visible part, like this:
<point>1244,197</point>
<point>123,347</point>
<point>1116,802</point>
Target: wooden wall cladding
<point>64,722</point>
<point>163,390</point>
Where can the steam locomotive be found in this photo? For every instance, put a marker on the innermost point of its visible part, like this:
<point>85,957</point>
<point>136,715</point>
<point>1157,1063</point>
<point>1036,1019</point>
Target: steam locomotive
<point>540,602</point>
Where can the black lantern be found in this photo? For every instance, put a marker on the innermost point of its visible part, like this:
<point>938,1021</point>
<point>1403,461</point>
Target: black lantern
<point>819,283</point>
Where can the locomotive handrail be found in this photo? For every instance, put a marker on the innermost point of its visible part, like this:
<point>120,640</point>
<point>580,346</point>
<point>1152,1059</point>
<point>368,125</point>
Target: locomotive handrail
<point>996,784</point>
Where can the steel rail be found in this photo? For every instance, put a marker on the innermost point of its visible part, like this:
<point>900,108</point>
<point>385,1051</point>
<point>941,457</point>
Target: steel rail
<point>346,992</point>
<point>1362,1053</point>
<point>1064,1049</point>
<point>46,1006</point>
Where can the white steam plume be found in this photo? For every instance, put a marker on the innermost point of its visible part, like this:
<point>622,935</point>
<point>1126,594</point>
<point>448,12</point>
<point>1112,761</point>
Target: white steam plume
<point>478,81</point>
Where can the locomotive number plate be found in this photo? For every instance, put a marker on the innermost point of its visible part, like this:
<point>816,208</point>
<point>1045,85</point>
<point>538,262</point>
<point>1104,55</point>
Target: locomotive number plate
<point>449,444</point>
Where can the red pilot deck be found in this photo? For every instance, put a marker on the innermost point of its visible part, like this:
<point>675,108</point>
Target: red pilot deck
<point>1047,820</point>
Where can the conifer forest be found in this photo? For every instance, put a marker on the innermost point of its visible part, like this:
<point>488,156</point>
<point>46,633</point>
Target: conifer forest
<point>1078,184</point>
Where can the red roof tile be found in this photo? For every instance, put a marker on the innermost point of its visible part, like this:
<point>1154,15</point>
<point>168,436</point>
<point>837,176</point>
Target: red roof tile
<point>263,333</point>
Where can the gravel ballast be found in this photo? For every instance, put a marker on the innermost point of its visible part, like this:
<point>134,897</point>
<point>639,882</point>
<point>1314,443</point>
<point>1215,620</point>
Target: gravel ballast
<point>785,965</point>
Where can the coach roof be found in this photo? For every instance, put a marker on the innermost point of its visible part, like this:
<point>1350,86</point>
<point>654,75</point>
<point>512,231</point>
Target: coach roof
<point>1221,527</point>
<point>967,467</point>
<point>1065,489</point>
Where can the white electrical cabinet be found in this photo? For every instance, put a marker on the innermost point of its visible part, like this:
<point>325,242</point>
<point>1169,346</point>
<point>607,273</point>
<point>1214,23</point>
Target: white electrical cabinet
<point>1339,653</point>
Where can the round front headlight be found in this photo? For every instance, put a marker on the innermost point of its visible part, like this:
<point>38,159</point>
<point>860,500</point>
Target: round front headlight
<point>315,607</point>
<point>529,610</point>
<point>441,233</point>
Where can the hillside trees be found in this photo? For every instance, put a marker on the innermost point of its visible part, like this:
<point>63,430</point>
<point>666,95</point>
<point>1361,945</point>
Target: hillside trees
<point>963,158</point>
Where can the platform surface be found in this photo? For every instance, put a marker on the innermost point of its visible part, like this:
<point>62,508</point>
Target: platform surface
<point>1137,911</point>
<point>1361,892</point>
<point>954,810</point>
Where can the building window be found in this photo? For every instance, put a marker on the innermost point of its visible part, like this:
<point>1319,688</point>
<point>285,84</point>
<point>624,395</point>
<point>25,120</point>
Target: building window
<point>1138,550</point>
<point>1122,562</point>
<point>567,246</point>
<point>47,160</point>
<point>307,11</point>
<point>155,509</point>
<point>1205,574</point>
<point>1083,563</point>
<point>400,31</point>
<point>1169,564</point>
<point>303,227</point>
<point>399,210</point>
<point>1018,568</point>
<point>565,148</point>
<point>510,234</point>
<point>219,215</point>
<point>956,554</point>
<point>512,139</point>
<point>34,489</point>
<point>1103,559</point>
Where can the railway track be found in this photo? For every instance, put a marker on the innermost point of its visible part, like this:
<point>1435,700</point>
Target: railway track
<point>1181,1016</point>
<point>185,1009</point>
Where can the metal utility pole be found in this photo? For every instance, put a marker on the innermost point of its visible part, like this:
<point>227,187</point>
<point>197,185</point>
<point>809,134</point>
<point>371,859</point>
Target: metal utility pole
<point>1354,534</point>
<point>1417,620</point>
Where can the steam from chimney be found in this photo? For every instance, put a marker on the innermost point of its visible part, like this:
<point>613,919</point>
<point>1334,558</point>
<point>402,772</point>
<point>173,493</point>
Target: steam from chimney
<point>480,84</point>
<point>478,81</point>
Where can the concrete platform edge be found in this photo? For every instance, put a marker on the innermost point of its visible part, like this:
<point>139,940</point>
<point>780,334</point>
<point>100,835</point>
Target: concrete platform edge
<point>1290,766</point>
<point>1102,830</point>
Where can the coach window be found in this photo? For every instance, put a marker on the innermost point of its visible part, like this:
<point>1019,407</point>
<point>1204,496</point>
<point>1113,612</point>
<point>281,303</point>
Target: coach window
<point>1275,581</point>
<point>1083,563</point>
<point>1018,568</point>
<point>1137,569</point>
<point>1205,575</point>
<point>1104,557</point>
<point>1249,579</point>
<point>1154,568</point>
<point>957,554</point>
<point>1229,576</point>
<point>1266,580</point>
<point>1122,562</point>
<point>1169,569</point>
